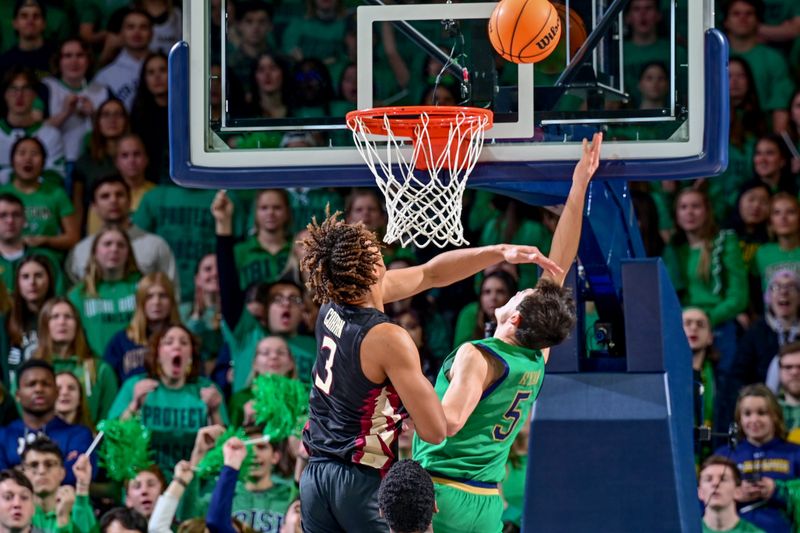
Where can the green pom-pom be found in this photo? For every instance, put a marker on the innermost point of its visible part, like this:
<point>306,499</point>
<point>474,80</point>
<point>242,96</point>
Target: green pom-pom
<point>211,465</point>
<point>281,404</point>
<point>125,448</point>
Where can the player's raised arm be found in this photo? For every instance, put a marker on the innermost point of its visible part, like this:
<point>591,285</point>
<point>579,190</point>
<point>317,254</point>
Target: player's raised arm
<point>398,357</point>
<point>449,267</point>
<point>568,231</point>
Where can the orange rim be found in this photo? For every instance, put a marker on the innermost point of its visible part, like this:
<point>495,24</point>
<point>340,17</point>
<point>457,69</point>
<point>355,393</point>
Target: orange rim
<point>405,119</point>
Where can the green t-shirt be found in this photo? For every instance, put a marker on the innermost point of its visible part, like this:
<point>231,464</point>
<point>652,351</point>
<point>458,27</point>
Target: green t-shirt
<point>637,56</point>
<point>182,217</point>
<point>770,258</point>
<point>100,391</point>
<point>8,267</point>
<point>791,415</point>
<point>530,233</point>
<point>44,208</point>
<point>107,313</point>
<point>206,328</point>
<point>82,519</point>
<point>479,451</point>
<point>245,338</point>
<point>174,416</point>
<point>722,295</point>
<point>257,265</point>
<point>743,526</point>
<point>771,74</point>
<point>323,39</point>
<point>778,11</point>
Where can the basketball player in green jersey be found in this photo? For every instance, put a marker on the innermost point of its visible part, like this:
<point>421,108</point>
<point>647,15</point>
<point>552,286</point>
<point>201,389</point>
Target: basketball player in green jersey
<point>488,386</point>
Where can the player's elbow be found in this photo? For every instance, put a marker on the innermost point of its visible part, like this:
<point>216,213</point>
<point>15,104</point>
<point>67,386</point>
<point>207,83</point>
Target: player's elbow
<point>434,434</point>
<point>453,427</point>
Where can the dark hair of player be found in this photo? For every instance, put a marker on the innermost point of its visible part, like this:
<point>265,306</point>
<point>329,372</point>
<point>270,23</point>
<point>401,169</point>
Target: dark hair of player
<point>406,497</point>
<point>547,316</point>
<point>340,259</point>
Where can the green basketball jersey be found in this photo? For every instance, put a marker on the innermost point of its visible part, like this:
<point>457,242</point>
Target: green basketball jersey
<point>480,450</point>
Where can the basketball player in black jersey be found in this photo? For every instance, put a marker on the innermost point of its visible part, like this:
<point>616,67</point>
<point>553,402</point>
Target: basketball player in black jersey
<point>368,368</point>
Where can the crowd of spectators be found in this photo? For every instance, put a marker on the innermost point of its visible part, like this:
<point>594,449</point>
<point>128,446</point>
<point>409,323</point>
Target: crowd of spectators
<point>123,295</point>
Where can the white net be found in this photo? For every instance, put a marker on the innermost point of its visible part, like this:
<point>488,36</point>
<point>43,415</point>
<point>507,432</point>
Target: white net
<point>423,207</point>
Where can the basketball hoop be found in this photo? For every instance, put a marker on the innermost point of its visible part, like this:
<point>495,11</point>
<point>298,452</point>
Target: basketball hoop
<point>446,141</point>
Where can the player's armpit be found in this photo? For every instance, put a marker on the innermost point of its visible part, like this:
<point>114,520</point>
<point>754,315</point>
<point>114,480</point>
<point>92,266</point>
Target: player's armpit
<point>392,349</point>
<point>470,375</point>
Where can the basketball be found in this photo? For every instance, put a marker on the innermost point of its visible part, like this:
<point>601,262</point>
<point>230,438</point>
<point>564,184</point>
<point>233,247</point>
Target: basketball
<point>524,31</point>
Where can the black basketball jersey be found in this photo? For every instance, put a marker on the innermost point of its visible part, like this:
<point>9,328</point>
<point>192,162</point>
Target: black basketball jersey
<point>351,418</point>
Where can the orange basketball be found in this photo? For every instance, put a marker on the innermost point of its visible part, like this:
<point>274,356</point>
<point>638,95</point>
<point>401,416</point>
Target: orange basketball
<point>524,31</point>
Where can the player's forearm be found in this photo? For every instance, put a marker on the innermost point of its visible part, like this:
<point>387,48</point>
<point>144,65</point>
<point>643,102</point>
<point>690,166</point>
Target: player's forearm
<point>456,265</point>
<point>568,231</point>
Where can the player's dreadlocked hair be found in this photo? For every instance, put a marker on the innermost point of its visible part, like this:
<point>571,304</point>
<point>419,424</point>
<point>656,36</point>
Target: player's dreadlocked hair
<point>340,260</point>
<point>406,497</point>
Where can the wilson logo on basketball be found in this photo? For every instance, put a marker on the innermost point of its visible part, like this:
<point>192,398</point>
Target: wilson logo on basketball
<point>542,43</point>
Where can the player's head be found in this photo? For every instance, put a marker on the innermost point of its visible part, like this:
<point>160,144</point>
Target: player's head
<point>541,317</point>
<point>343,260</point>
<point>717,482</point>
<point>406,499</point>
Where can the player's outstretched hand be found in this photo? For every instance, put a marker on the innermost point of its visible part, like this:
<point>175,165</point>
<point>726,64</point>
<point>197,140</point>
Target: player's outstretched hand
<point>516,254</point>
<point>590,160</point>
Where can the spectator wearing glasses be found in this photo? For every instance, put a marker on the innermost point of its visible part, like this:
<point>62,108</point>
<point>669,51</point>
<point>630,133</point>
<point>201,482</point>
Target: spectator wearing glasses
<point>789,393</point>
<point>57,505</point>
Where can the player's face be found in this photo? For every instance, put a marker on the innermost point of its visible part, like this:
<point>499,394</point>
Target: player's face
<point>28,161</point>
<point>506,311</point>
<point>754,206</point>
<point>691,212</point>
<point>768,161</point>
<point>16,506</point>
<point>717,486</point>
<point>285,309</point>
<point>44,470</point>
<point>272,213</point>
<point>175,354</point>
<point>697,329</point>
<point>143,491</point>
<point>790,374</point>
<point>12,221</point>
<point>62,324</point>
<point>273,357</point>
<point>755,420</point>
<point>784,217</point>
<point>784,297</point>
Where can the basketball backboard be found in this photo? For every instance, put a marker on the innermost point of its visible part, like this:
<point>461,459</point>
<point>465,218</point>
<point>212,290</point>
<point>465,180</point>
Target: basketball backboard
<point>220,137</point>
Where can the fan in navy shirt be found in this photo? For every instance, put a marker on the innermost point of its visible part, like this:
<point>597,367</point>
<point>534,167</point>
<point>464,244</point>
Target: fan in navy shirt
<point>763,456</point>
<point>36,394</point>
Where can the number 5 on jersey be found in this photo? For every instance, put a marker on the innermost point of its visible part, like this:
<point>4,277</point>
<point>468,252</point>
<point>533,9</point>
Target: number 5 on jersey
<point>329,347</point>
<point>513,416</point>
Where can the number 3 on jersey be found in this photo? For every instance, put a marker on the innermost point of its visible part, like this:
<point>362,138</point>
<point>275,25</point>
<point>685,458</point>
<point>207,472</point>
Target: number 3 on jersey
<point>325,384</point>
<point>513,415</point>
